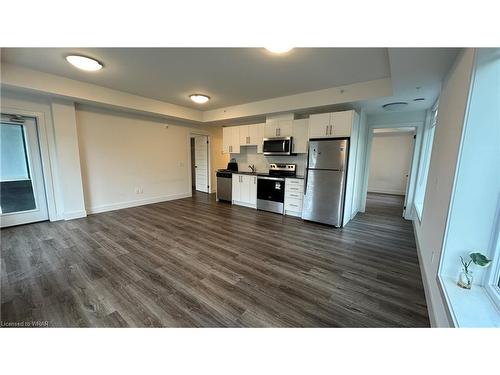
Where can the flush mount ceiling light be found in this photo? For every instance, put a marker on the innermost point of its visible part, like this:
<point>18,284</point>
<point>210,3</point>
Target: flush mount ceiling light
<point>199,98</point>
<point>279,49</point>
<point>396,106</point>
<point>84,63</point>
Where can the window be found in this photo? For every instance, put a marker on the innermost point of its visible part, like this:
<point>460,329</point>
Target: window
<point>425,161</point>
<point>493,281</point>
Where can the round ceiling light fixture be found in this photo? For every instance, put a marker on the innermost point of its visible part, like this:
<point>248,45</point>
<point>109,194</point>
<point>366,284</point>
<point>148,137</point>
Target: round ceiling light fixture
<point>199,98</point>
<point>279,49</point>
<point>84,63</point>
<point>396,106</point>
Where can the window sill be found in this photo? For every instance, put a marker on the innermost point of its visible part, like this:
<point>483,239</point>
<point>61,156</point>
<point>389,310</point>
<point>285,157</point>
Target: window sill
<point>470,308</point>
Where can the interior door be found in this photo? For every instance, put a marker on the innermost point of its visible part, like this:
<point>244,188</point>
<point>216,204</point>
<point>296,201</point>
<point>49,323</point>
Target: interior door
<point>201,162</point>
<point>22,195</point>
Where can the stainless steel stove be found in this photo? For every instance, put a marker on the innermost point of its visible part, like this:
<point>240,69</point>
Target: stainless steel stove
<point>271,187</point>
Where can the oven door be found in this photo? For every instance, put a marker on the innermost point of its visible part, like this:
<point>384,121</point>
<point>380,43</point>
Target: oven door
<point>270,194</point>
<point>277,146</point>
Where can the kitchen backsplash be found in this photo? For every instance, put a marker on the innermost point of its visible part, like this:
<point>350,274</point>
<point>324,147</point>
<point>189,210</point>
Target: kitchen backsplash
<point>248,155</point>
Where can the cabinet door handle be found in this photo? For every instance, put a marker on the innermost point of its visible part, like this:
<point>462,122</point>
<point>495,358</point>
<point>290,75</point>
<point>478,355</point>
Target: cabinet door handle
<point>279,132</point>
<point>326,131</point>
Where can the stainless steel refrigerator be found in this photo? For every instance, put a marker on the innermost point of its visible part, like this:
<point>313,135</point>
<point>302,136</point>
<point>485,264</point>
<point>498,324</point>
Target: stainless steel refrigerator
<point>325,181</point>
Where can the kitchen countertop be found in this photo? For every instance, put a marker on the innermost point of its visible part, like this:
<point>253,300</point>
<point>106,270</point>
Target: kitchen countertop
<point>265,174</point>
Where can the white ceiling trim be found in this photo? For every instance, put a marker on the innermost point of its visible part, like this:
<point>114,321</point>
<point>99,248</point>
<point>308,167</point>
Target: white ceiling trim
<point>17,77</point>
<point>320,98</point>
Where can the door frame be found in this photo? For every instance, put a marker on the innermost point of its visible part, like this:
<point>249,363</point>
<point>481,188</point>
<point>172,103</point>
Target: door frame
<point>409,213</point>
<point>209,160</point>
<point>47,155</point>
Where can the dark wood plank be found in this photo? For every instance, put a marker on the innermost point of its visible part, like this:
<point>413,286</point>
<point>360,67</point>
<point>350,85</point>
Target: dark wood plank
<point>197,263</point>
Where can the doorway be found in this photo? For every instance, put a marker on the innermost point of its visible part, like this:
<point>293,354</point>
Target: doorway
<point>390,164</point>
<point>200,179</point>
<point>22,189</point>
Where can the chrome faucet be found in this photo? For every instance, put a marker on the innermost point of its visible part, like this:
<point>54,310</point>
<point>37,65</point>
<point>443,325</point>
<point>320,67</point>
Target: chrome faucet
<point>252,167</point>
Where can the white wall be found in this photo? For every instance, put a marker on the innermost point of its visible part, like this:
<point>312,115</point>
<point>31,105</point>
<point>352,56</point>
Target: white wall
<point>76,173</point>
<point>390,162</point>
<point>121,153</point>
<point>430,231</point>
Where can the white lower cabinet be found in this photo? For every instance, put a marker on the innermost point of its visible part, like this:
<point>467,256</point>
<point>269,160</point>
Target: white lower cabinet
<point>294,196</point>
<point>244,190</point>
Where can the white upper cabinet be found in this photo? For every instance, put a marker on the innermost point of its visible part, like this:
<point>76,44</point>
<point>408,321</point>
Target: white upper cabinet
<point>252,135</point>
<point>244,135</point>
<point>231,140</point>
<point>319,125</point>
<point>342,123</point>
<point>256,135</point>
<point>226,140</point>
<point>328,125</point>
<point>278,128</point>
<point>300,131</point>
<point>235,137</point>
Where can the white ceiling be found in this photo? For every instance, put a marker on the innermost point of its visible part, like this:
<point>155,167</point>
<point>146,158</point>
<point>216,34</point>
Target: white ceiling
<point>415,73</point>
<point>234,76</point>
<point>229,75</point>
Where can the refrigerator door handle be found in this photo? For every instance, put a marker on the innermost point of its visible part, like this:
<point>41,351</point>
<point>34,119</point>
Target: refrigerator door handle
<point>305,181</point>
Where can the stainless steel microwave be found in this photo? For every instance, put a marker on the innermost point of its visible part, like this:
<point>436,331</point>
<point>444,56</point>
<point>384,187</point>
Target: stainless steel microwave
<point>278,146</point>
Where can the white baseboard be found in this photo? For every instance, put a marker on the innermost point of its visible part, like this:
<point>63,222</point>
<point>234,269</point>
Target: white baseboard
<point>74,215</point>
<point>384,191</point>
<point>135,203</point>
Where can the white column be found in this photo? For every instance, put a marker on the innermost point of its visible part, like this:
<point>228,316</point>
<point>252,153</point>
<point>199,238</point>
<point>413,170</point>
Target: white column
<point>68,158</point>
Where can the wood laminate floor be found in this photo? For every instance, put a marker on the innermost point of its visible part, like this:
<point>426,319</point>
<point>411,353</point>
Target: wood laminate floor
<point>197,263</point>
